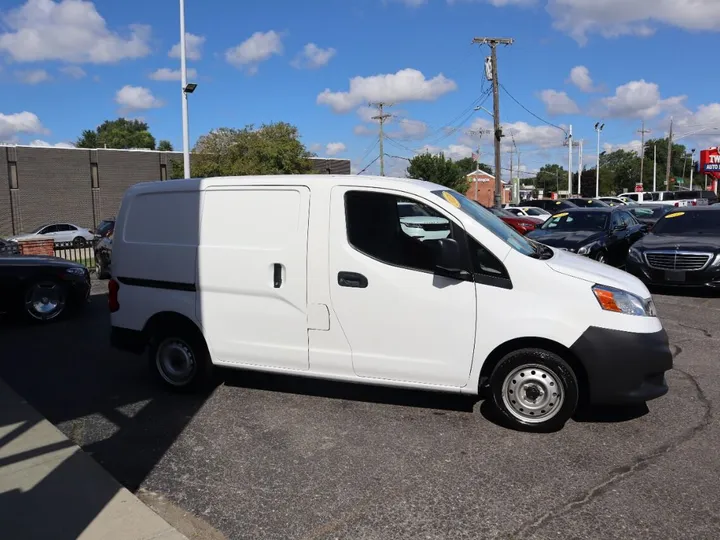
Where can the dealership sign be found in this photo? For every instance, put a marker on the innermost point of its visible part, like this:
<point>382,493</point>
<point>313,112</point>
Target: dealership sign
<point>710,162</point>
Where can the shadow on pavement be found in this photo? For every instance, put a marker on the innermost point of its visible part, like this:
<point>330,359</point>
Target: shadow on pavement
<point>68,373</point>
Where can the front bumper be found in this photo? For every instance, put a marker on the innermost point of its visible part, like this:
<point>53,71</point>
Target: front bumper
<point>659,278</point>
<point>624,367</point>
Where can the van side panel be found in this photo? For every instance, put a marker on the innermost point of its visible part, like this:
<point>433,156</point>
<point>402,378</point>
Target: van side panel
<point>252,275</point>
<point>155,255</point>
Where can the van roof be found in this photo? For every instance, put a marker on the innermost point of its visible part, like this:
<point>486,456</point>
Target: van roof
<point>310,180</point>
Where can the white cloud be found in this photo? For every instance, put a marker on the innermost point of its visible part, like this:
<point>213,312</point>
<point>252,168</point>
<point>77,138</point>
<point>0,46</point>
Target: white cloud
<point>452,151</point>
<point>335,148</point>
<point>580,77</point>
<point>557,103</point>
<point>409,129</point>
<point>193,47</point>
<point>632,146</point>
<point>412,3</point>
<point>703,126</point>
<point>69,30</point>
<point>639,99</point>
<point>316,147</point>
<point>76,72</point>
<point>366,114</point>
<point>257,48</point>
<point>136,98</point>
<point>33,76</point>
<point>23,122</point>
<point>45,144</point>
<point>167,74</point>
<point>405,85</point>
<point>497,3</point>
<point>523,133</point>
<point>313,57</point>
<point>364,130</point>
<point>612,18</point>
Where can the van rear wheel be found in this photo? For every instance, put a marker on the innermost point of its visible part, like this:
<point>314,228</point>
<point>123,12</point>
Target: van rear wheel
<point>534,390</point>
<point>179,359</point>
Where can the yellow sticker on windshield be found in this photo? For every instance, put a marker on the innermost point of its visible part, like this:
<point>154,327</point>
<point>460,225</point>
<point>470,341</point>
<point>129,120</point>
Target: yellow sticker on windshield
<point>452,200</point>
<point>675,214</point>
<point>561,215</point>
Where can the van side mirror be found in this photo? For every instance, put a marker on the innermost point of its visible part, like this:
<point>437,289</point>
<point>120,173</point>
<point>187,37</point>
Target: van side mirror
<point>449,261</point>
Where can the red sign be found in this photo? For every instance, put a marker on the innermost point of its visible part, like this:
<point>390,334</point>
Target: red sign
<point>638,187</point>
<point>710,162</point>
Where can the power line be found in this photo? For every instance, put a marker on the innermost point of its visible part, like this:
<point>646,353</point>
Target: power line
<point>370,149</point>
<point>532,113</point>
<point>369,164</point>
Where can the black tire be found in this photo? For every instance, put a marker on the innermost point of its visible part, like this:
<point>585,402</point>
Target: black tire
<point>601,257</point>
<point>79,242</point>
<point>100,270</point>
<point>44,301</point>
<point>523,388</point>
<point>183,343</point>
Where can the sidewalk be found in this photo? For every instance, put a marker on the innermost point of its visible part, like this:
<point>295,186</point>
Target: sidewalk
<point>49,488</point>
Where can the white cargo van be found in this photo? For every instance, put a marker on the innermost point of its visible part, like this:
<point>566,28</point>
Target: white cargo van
<point>317,275</point>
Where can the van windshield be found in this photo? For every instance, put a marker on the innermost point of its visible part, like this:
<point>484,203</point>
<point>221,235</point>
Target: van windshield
<point>490,221</point>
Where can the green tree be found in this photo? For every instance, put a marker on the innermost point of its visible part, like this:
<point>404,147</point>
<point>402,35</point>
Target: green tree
<point>438,169</point>
<point>120,133</point>
<point>270,149</point>
<point>679,152</point>
<point>551,178</point>
<point>165,146</point>
<point>468,165</point>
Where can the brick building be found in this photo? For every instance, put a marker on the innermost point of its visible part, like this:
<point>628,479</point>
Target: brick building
<point>482,188</point>
<point>76,185</point>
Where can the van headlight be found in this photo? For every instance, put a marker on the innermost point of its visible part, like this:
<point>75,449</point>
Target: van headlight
<point>619,301</point>
<point>585,250</point>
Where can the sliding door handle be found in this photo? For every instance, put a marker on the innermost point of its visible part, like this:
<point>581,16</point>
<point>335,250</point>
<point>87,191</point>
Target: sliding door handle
<point>352,279</point>
<point>277,275</point>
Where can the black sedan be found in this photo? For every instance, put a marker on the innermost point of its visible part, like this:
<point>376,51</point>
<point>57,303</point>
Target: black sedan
<point>551,205</point>
<point>649,214</point>
<point>604,234</point>
<point>587,203</point>
<point>683,250</point>
<point>42,288</point>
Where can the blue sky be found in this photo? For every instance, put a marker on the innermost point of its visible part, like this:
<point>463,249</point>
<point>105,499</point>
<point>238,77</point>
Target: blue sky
<point>67,65</point>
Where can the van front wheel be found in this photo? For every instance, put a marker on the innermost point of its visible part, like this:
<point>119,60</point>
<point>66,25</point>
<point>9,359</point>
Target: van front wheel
<point>180,360</point>
<point>534,390</point>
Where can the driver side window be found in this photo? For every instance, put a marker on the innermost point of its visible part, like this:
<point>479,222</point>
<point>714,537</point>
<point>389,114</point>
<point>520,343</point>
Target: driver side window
<point>616,221</point>
<point>49,229</point>
<point>396,230</point>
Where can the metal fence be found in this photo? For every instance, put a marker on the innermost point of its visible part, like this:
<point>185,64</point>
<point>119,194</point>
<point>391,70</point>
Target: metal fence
<point>84,255</point>
<point>9,248</point>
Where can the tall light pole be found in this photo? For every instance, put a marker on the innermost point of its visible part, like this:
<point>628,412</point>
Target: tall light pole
<point>570,145</point>
<point>580,166</point>
<point>692,166</point>
<point>185,92</point>
<point>598,128</point>
<point>655,167</point>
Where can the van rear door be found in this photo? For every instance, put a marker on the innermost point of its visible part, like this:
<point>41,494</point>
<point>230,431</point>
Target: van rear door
<point>252,275</point>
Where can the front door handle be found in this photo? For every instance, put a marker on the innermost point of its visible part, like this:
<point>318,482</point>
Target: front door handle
<point>352,279</point>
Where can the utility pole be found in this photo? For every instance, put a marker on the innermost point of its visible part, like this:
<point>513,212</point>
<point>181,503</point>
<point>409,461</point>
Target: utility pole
<point>517,191</point>
<point>493,43</point>
<point>642,131</point>
<point>669,156</point>
<point>381,117</point>
<point>479,133</point>
<point>183,82</point>
<point>598,127</point>
<point>692,166</point>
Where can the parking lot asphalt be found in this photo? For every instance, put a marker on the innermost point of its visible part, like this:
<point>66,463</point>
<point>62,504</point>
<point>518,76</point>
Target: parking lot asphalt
<point>267,456</point>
